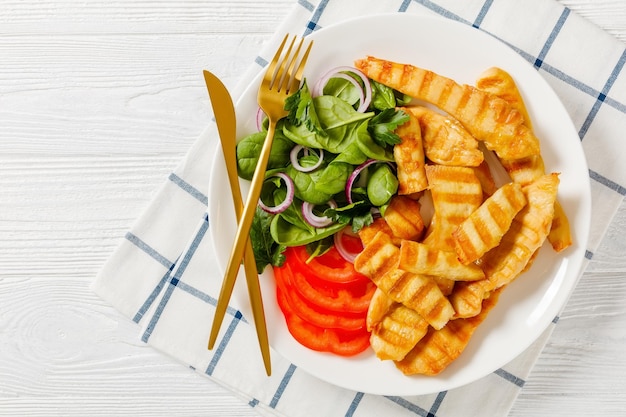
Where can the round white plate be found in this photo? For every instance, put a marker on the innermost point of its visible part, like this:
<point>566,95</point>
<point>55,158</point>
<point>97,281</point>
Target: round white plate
<point>530,303</point>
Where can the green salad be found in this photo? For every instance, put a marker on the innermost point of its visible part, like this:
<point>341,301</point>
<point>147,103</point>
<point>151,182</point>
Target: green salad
<point>331,164</point>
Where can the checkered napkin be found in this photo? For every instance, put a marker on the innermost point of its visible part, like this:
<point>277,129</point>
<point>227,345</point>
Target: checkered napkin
<point>160,276</point>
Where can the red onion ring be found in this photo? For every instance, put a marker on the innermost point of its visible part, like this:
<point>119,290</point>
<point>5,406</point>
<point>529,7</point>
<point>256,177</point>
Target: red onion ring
<point>293,157</point>
<point>313,219</point>
<point>343,251</point>
<point>354,175</point>
<point>260,116</point>
<point>288,199</point>
<point>338,72</point>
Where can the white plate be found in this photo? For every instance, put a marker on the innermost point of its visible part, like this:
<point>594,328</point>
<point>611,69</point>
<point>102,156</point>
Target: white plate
<point>529,304</point>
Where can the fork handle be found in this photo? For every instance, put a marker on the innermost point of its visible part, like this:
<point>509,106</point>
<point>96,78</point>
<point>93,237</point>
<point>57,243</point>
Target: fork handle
<point>243,230</point>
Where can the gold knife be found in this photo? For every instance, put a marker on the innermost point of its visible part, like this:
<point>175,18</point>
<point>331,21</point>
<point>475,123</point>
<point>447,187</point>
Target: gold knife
<point>224,112</point>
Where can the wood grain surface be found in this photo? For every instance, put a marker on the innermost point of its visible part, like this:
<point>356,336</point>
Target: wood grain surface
<point>99,100</point>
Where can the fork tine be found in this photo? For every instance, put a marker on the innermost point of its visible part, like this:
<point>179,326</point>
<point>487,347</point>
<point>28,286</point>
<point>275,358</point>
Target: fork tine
<point>271,69</point>
<point>297,76</point>
<point>282,71</point>
<point>289,64</point>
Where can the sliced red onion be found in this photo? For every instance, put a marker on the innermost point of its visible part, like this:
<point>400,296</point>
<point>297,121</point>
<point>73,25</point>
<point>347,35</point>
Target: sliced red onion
<point>313,219</point>
<point>288,199</point>
<point>339,72</point>
<point>343,251</point>
<point>352,178</point>
<point>293,156</point>
<point>260,116</point>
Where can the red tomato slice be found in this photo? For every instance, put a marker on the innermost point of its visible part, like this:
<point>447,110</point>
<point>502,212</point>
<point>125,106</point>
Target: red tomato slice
<point>330,266</point>
<point>340,342</point>
<point>313,314</point>
<point>331,298</point>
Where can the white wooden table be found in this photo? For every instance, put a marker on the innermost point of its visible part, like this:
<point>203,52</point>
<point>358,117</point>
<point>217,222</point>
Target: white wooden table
<point>99,101</point>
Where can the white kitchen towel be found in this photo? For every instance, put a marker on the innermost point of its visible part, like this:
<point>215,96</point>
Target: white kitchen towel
<point>161,274</point>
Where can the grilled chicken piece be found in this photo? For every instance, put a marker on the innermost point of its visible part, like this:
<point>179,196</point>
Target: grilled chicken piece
<point>486,116</point>
<point>404,218</point>
<point>409,157</point>
<point>435,351</point>
<point>484,228</point>
<point>420,258</point>
<point>467,297</point>
<point>378,257</point>
<point>456,193</point>
<point>445,140</point>
<point>527,233</point>
<point>368,232</point>
<point>560,235</point>
<point>395,329</point>
<point>525,170</point>
<point>379,262</point>
<point>498,82</point>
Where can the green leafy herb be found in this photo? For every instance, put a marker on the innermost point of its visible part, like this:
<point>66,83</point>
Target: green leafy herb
<point>382,126</point>
<point>301,110</point>
<point>357,213</point>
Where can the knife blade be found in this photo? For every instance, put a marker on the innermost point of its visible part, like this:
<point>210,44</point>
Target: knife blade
<point>225,118</point>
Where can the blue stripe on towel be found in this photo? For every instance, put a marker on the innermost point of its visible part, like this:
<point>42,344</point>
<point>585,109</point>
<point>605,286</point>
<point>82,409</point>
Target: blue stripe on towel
<point>135,240</point>
<point>223,343</point>
<point>510,377</point>
<point>313,24</point>
<point>194,192</point>
<point>283,385</point>
<point>409,406</point>
<point>153,296</point>
<point>442,11</point>
<point>354,404</point>
<point>601,97</point>
<point>176,278</point>
<point>553,35</point>
<point>482,13</point>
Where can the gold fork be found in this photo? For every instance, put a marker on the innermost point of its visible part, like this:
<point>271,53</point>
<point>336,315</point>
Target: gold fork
<point>282,78</point>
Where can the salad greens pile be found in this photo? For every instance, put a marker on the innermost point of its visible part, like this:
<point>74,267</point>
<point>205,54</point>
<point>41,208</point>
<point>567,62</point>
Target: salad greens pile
<point>344,165</point>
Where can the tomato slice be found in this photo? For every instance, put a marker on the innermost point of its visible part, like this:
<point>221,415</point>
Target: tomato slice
<point>329,267</point>
<point>324,301</point>
<point>340,342</point>
<point>313,314</point>
<point>331,298</point>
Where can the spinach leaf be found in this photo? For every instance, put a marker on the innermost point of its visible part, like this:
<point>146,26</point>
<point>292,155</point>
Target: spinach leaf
<point>382,185</point>
<point>288,234</point>
<point>343,89</point>
<point>304,182</point>
<point>266,250</point>
<point>370,148</point>
<point>293,213</point>
<point>333,178</point>
<point>383,97</point>
<point>300,135</point>
<point>340,121</point>
<point>249,149</point>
